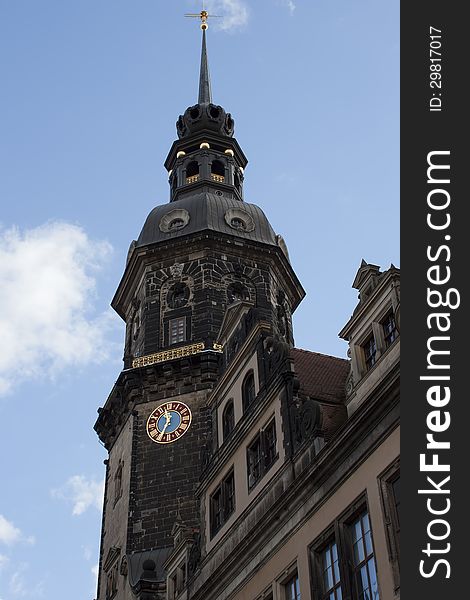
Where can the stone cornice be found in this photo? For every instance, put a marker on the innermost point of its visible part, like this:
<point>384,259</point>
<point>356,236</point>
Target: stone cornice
<point>142,257</point>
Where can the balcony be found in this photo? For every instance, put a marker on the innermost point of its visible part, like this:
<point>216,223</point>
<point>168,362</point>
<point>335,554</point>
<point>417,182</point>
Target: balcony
<point>192,179</point>
<point>217,178</point>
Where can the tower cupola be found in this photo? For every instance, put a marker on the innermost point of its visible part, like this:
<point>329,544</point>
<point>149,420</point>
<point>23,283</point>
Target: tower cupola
<point>206,155</point>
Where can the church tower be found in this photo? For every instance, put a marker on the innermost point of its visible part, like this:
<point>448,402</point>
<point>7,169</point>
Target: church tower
<point>206,271</point>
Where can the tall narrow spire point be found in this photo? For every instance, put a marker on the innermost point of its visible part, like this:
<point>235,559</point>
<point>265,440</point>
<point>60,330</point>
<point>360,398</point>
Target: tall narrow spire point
<point>205,93</point>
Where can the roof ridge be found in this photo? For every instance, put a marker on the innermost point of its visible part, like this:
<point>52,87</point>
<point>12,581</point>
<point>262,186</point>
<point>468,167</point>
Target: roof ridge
<point>321,354</point>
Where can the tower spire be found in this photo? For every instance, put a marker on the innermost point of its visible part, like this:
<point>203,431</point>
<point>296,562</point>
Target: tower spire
<point>205,93</point>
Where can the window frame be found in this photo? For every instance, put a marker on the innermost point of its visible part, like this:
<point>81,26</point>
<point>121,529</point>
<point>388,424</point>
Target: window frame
<point>370,359</point>
<point>177,580</point>
<point>182,319</point>
<point>226,434</point>
<point>390,315</point>
<point>325,594</point>
<point>225,511</point>
<point>118,482</point>
<point>357,567</point>
<point>264,465</point>
<point>112,580</point>
<point>391,517</point>
<point>247,402</point>
<point>340,532</point>
<point>282,581</point>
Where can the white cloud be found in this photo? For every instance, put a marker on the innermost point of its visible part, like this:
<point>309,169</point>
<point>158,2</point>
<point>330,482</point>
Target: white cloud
<point>47,279</point>
<point>290,5</point>
<point>17,583</point>
<point>83,493</point>
<point>20,587</point>
<point>234,13</point>
<point>9,534</point>
<point>95,571</point>
<point>4,560</point>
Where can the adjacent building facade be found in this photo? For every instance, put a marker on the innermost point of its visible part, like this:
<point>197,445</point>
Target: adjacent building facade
<point>241,467</point>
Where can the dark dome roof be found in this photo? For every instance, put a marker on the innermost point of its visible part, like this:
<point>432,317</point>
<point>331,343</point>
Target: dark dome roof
<point>205,211</point>
<point>205,117</point>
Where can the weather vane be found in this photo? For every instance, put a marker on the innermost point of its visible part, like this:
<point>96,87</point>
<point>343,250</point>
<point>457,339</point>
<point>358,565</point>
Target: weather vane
<point>203,15</point>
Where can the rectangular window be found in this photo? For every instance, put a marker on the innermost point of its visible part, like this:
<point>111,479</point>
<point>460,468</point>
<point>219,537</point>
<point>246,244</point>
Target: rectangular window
<point>343,562</point>
<point>177,330</point>
<point>222,503</point>
<point>118,483</point>
<point>177,581</point>
<point>173,586</point>
<point>254,461</point>
<point>395,485</point>
<point>229,494</point>
<point>389,329</point>
<point>270,450</point>
<point>112,581</point>
<point>390,496</point>
<point>370,352</point>
<point>261,454</point>
<point>364,573</point>
<point>292,588</point>
<point>216,510</point>
<point>330,574</point>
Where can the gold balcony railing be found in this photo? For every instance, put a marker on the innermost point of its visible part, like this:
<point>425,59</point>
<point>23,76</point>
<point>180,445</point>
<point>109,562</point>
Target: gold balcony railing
<point>182,351</point>
<point>192,179</point>
<point>218,178</point>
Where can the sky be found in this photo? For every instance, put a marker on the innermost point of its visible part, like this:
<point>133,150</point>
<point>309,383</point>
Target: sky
<point>91,91</point>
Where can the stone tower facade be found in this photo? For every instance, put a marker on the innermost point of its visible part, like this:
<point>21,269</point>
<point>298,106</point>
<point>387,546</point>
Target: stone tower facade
<point>205,271</point>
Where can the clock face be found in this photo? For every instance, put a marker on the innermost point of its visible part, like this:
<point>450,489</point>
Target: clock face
<point>168,422</point>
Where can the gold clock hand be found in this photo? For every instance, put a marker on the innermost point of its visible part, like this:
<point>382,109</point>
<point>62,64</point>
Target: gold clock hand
<point>167,416</point>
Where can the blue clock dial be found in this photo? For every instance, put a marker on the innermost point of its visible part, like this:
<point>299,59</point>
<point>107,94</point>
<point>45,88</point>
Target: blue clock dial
<point>174,421</point>
<point>168,422</point>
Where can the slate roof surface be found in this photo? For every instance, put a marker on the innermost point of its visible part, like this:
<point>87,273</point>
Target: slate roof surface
<point>322,377</point>
<point>206,212</point>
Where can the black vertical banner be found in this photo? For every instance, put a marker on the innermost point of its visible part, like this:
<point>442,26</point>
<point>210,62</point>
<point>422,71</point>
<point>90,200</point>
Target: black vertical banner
<point>435,334</point>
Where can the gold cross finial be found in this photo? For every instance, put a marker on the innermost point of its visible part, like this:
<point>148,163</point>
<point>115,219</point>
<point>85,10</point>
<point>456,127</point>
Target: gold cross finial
<point>203,15</point>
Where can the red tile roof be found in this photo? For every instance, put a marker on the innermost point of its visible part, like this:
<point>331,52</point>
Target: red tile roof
<point>321,377</point>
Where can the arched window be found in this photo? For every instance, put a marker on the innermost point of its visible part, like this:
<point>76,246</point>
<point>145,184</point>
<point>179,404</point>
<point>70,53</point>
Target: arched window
<point>228,419</point>
<point>192,172</point>
<point>218,171</point>
<point>248,390</point>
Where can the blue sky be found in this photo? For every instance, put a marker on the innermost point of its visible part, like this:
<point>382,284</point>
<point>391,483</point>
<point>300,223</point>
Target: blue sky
<point>90,94</point>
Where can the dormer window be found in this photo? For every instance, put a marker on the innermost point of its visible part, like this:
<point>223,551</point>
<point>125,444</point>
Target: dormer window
<point>218,171</point>
<point>389,329</point>
<point>370,352</point>
<point>192,172</point>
